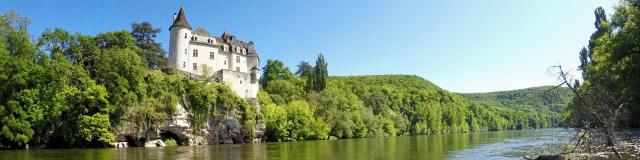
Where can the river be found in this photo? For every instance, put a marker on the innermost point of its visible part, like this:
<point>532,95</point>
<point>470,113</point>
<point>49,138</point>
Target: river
<point>482,145</point>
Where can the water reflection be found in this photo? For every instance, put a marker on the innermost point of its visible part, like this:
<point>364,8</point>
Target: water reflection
<point>455,146</point>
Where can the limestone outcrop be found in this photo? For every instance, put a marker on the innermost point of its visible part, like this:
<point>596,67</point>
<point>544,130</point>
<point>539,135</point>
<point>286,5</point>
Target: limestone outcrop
<point>219,129</point>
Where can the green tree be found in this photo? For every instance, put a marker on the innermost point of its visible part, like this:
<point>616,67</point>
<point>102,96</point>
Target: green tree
<point>274,70</point>
<point>276,122</point>
<point>613,60</point>
<point>304,69</point>
<point>321,74</point>
<point>152,52</point>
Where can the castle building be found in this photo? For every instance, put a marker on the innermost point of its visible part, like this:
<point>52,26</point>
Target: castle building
<point>230,60</point>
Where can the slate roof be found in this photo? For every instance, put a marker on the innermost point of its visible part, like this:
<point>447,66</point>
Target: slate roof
<point>181,20</point>
<point>201,32</point>
<point>226,37</point>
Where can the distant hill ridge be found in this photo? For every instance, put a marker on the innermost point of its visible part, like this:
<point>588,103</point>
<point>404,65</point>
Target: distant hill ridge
<point>539,98</point>
<point>548,97</point>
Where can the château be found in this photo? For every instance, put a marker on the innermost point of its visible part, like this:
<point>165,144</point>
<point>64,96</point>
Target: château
<point>227,58</point>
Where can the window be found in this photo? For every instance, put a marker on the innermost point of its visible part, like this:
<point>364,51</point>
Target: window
<point>185,51</point>
<point>195,53</point>
<point>244,51</point>
<point>238,49</point>
<point>237,59</point>
<point>238,69</point>
<point>225,48</point>
<point>185,35</point>
<point>240,81</point>
<point>184,64</point>
<point>210,55</point>
<point>195,38</point>
<point>195,66</point>
<point>225,62</point>
<point>209,40</point>
<point>254,76</point>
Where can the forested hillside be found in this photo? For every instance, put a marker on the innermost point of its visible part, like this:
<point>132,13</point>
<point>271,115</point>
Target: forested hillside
<point>538,98</point>
<point>390,105</point>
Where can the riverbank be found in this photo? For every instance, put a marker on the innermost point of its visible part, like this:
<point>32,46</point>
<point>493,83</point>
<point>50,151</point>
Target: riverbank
<point>628,146</point>
<point>588,147</point>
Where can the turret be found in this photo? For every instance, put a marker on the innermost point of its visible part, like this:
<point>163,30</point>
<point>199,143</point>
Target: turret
<point>255,75</point>
<point>180,35</point>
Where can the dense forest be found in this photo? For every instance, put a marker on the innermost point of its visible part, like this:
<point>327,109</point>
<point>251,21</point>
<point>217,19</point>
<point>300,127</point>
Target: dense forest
<point>392,105</point>
<point>69,90</point>
<point>544,98</point>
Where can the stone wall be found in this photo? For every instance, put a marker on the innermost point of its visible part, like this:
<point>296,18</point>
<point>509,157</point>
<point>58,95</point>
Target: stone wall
<point>240,83</point>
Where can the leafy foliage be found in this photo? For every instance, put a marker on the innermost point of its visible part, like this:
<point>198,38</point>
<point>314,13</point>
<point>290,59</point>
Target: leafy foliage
<point>390,105</point>
<point>612,64</point>
<point>73,90</point>
<point>152,52</point>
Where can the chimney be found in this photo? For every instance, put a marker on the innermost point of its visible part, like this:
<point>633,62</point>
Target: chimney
<point>175,15</point>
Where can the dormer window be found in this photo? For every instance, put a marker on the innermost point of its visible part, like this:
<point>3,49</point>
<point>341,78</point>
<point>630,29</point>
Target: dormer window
<point>225,48</point>
<point>244,51</point>
<point>195,38</point>
<point>238,49</point>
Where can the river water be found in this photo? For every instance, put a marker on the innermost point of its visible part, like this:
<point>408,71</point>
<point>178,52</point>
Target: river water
<point>483,145</point>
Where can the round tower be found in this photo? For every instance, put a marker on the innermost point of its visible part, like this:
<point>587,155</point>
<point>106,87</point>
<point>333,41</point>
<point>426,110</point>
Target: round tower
<point>180,35</point>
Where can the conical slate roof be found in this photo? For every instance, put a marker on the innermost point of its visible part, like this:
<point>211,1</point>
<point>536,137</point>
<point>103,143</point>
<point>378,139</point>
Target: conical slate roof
<point>181,20</point>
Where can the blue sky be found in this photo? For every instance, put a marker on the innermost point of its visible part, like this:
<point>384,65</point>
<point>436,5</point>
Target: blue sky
<point>462,46</point>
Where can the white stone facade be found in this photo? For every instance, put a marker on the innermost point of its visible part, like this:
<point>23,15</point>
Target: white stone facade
<point>232,61</point>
